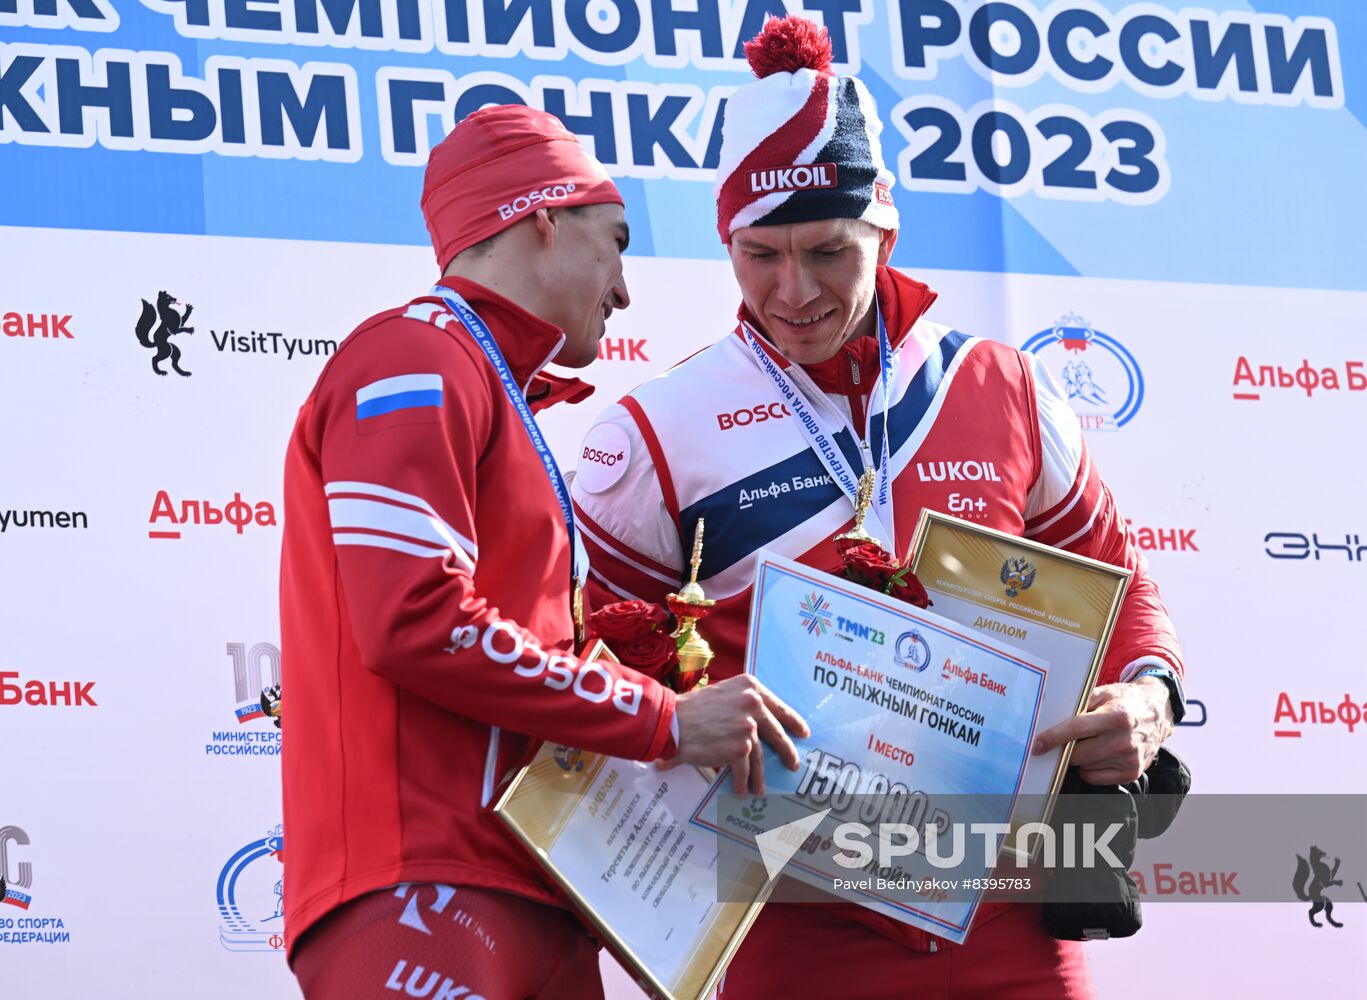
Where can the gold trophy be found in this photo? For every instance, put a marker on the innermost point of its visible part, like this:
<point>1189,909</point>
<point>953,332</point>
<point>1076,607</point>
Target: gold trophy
<point>863,499</point>
<point>690,605</point>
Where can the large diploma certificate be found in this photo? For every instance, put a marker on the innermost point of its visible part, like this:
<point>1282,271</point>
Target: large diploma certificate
<point>915,720</point>
<point>1053,604</point>
<point>615,835</point>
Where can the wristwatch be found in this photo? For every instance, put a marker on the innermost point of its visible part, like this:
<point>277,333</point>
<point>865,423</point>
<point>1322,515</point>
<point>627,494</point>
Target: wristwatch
<point>1174,685</point>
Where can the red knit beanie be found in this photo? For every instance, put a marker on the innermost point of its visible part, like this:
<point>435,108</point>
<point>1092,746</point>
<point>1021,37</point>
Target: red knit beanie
<point>500,164</point>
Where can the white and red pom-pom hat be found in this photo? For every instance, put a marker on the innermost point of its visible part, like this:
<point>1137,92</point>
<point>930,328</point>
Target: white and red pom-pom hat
<point>800,143</point>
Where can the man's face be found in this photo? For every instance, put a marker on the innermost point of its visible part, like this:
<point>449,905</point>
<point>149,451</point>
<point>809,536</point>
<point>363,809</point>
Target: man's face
<point>810,284</point>
<point>585,272</point>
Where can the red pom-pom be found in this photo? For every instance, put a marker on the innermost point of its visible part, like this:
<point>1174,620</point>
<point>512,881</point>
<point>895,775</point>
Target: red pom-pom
<point>788,44</point>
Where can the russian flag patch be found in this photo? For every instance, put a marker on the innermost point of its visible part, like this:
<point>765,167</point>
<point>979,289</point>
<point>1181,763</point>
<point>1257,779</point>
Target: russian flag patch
<point>402,392</point>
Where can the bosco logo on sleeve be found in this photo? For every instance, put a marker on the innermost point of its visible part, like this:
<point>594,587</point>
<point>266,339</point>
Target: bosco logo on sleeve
<point>604,458</point>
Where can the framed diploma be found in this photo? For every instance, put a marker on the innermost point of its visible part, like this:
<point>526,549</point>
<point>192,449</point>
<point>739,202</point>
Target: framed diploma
<point>615,836</point>
<point>919,724</point>
<point>1049,603</point>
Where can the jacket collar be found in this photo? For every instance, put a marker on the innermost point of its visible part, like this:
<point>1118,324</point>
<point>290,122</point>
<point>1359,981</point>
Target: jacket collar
<point>902,300</point>
<point>528,344</point>
<point>546,390</point>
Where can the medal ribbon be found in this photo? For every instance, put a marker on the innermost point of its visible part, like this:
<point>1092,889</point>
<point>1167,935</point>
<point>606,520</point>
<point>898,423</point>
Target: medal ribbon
<point>479,331</point>
<point>820,439</point>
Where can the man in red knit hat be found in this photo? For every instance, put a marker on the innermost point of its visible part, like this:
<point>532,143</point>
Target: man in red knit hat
<point>829,331</point>
<point>431,592</point>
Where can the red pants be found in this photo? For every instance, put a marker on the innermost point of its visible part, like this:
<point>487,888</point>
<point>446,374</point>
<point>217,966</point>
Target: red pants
<point>794,952</point>
<point>447,943</point>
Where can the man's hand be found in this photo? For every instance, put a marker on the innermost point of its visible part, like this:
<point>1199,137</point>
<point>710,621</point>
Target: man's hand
<point>728,723</point>
<point>1119,734</point>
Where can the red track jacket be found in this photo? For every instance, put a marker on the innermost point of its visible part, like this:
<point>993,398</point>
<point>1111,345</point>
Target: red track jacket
<point>973,423</point>
<point>425,613</point>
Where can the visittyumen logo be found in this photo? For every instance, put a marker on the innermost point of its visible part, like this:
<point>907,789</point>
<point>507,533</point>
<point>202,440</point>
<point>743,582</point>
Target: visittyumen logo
<point>158,324</point>
<point>1311,879</point>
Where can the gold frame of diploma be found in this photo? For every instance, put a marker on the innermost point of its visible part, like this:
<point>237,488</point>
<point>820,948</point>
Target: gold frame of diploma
<point>554,795</point>
<point>1058,605</point>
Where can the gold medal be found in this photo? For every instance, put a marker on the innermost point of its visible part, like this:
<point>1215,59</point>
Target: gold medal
<point>577,611</point>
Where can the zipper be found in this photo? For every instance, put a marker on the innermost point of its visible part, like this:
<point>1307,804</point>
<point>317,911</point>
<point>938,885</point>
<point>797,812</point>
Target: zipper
<point>853,395</point>
<point>490,767</point>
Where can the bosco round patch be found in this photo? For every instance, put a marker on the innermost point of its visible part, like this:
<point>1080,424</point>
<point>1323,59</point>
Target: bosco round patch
<point>604,457</point>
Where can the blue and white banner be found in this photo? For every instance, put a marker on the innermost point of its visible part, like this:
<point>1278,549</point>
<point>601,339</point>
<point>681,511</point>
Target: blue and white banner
<point>1221,143</point>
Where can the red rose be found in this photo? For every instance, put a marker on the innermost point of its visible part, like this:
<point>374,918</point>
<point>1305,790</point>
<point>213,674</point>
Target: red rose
<point>626,620</point>
<point>906,587</point>
<point>654,654</point>
<point>869,565</point>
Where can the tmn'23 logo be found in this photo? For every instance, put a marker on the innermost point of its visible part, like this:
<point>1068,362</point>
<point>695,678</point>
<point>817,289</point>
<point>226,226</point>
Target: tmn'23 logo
<point>816,614</point>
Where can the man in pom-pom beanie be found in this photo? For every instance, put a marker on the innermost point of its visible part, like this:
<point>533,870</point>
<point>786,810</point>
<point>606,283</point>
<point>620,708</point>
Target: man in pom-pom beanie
<point>428,596</point>
<point>765,434</point>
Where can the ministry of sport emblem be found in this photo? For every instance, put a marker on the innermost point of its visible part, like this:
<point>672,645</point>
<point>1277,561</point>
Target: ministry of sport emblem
<point>256,681</point>
<point>15,891</point>
<point>1101,378</point>
<point>1018,575</point>
<point>251,896</point>
<point>568,758</point>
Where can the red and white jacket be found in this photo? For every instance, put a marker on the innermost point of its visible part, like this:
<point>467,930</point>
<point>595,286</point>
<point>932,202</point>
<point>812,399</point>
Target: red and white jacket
<point>977,429</point>
<point>425,613</point>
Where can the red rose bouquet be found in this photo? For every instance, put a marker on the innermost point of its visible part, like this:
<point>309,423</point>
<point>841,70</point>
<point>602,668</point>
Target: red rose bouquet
<point>662,644</point>
<point>642,636</point>
<point>626,621</point>
<point>869,565</point>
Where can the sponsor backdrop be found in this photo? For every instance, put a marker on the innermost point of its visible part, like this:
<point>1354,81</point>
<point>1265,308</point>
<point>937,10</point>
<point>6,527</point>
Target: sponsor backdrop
<point>200,198</point>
